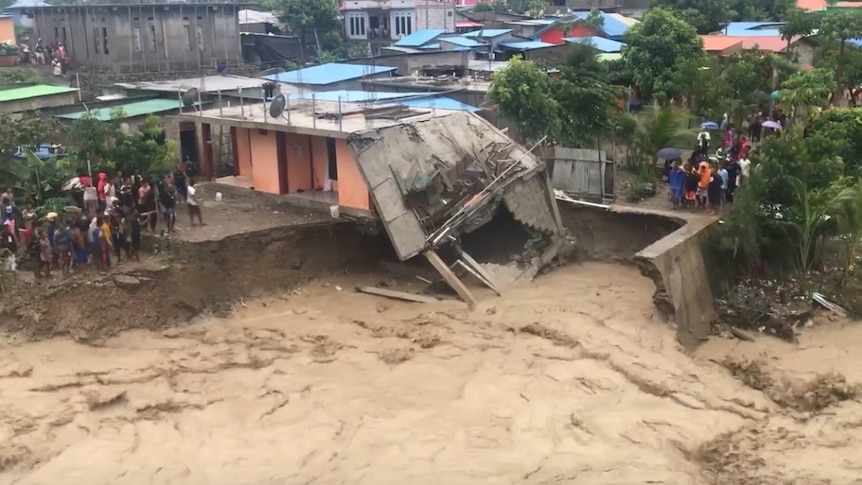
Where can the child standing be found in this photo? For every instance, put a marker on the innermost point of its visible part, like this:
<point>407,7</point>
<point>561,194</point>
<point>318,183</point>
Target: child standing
<point>676,180</point>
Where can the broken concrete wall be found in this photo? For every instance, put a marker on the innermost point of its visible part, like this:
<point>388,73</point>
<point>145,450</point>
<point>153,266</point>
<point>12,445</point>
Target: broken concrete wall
<point>527,200</point>
<point>673,258</point>
<point>393,157</point>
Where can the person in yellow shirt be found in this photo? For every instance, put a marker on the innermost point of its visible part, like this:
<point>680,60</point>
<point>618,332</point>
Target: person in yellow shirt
<point>105,226</point>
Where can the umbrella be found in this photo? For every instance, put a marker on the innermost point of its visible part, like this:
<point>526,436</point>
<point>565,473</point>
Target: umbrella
<point>669,153</point>
<point>709,125</point>
<point>772,124</point>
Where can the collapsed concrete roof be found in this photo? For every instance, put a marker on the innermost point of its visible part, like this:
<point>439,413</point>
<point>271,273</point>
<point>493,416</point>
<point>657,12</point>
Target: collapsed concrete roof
<point>433,179</point>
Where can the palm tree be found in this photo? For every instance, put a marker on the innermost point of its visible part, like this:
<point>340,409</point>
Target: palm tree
<point>849,217</point>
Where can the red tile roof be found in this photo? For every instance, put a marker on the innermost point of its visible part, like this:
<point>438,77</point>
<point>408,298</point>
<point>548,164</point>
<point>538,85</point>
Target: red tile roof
<point>811,4</point>
<point>719,43</point>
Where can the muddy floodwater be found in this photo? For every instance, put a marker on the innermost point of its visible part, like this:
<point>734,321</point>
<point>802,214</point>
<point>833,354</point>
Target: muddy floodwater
<point>573,379</point>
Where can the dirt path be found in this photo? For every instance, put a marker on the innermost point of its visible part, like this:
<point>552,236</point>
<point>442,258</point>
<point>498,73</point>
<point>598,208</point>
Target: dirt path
<point>572,379</point>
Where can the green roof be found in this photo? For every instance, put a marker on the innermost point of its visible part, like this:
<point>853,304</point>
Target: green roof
<point>130,110</point>
<point>17,94</point>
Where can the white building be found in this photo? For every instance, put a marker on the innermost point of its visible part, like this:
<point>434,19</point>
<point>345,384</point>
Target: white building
<point>395,19</point>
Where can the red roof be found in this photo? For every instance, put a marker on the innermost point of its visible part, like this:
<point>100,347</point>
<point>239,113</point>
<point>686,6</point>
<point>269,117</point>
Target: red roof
<point>811,4</point>
<point>466,24</point>
<point>719,43</point>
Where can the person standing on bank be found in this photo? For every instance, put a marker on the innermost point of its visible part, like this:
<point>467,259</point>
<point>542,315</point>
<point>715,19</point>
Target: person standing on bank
<point>194,204</point>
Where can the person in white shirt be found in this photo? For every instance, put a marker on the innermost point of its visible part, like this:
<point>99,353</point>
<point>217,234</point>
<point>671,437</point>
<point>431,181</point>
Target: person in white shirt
<point>703,140</point>
<point>194,205</point>
<point>744,170</point>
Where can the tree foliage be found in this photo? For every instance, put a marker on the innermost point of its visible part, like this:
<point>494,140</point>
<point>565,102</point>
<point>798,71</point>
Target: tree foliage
<point>709,16</point>
<point>303,16</point>
<point>657,45</point>
<point>523,95</point>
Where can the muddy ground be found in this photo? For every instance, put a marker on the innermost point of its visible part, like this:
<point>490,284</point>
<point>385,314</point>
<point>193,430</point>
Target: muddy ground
<point>285,374</point>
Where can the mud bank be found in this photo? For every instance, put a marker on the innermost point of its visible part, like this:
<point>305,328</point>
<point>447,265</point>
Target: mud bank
<point>192,278</point>
<point>668,250</point>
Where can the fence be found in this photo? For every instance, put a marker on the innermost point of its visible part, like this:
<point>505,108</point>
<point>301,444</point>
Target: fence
<point>582,173</point>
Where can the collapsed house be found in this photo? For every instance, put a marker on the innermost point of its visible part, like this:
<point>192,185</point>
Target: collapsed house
<point>433,180</point>
<point>431,176</point>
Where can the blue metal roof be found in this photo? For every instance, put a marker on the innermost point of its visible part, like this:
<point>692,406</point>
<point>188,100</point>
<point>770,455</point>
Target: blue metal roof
<point>328,73</point>
<point>420,38</point>
<point>600,43</point>
<point>27,4</point>
<point>750,29</point>
<point>437,102</point>
<point>348,96</point>
<point>525,45</point>
<point>461,41</point>
<point>430,47</point>
<point>612,27</point>
<point>487,33</point>
<point>856,42</point>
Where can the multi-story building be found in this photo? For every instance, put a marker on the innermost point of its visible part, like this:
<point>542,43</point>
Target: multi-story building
<point>395,19</point>
<point>144,37</point>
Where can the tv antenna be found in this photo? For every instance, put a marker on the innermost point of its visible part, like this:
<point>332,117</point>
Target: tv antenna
<point>190,97</point>
<point>276,106</point>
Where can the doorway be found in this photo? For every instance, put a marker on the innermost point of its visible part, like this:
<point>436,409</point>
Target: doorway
<point>188,142</point>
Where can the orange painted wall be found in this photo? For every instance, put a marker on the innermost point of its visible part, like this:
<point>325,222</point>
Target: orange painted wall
<point>264,158</point>
<point>243,152</point>
<point>352,191</point>
<point>320,161</point>
<point>7,29</point>
<point>298,163</point>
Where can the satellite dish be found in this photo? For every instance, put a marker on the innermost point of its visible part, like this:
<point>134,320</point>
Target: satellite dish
<point>276,107</point>
<point>124,127</point>
<point>190,97</point>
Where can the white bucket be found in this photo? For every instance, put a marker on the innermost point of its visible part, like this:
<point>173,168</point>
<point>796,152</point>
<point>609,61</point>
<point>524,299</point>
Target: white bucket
<point>218,196</point>
<point>334,211</point>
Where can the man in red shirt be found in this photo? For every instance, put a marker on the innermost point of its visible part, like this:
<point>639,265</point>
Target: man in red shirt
<point>100,187</point>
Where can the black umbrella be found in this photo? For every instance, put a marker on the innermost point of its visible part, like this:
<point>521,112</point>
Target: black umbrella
<point>669,153</point>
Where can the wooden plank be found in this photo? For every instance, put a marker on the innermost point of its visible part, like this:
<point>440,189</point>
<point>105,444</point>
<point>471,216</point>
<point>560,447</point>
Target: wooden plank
<point>450,278</point>
<point>482,274</point>
<point>398,295</point>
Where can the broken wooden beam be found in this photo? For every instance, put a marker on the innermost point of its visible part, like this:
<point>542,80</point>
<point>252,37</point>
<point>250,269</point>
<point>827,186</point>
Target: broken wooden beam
<point>398,295</point>
<point>450,278</point>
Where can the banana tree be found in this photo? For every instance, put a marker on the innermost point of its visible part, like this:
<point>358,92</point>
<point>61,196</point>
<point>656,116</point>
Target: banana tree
<point>849,216</point>
<point>44,179</point>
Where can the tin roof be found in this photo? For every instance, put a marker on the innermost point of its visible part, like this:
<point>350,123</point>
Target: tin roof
<point>599,43</point>
<point>27,92</point>
<point>129,110</point>
<point>420,38</point>
<point>324,74</point>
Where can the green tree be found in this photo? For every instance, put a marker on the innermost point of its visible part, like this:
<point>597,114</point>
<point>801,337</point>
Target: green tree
<point>657,45</point>
<point>759,10</point>
<point>483,7</point>
<point>849,216</point>
<point>586,98</point>
<point>523,95</point>
<point>798,23</point>
<point>704,15</point>
<point>840,27</point>
<point>807,89</point>
<point>317,18</point>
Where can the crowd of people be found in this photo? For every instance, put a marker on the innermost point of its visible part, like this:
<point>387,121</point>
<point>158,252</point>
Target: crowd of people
<point>106,225</point>
<point>709,183</point>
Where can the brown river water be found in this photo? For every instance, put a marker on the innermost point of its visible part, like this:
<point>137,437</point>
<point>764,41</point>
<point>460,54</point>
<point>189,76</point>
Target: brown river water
<point>571,379</point>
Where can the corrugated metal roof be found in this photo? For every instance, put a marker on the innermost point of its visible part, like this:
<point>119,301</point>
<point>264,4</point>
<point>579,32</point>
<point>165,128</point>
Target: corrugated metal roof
<point>420,38</point>
<point>609,56</point>
<point>487,33</point>
<point>751,28</point>
<point>525,45</point>
<point>254,17</point>
<point>438,102</point>
<point>209,84</point>
<point>718,43</point>
<point>461,41</point>
<point>27,92</point>
<point>27,4</point>
<point>429,47</point>
<point>613,26</point>
<point>348,96</point>
<point>856,42</point>
<point>324,74</point>
<point>600,43</point>
<point>130,110</point>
